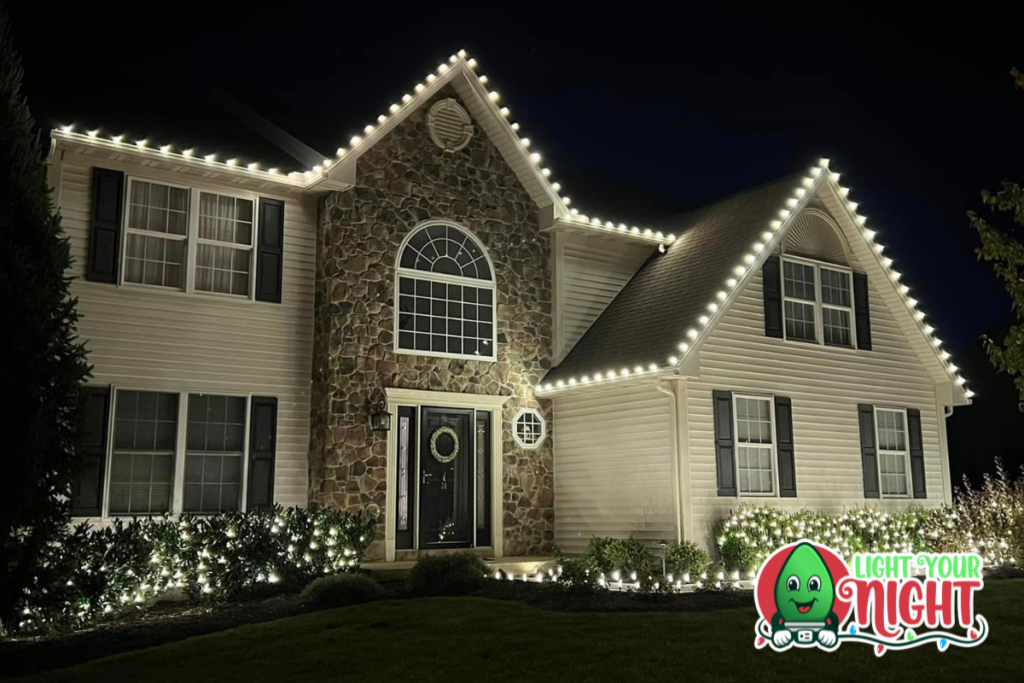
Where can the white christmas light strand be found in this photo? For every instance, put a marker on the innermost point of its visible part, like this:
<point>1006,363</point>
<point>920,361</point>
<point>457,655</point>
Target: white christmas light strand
<point>817,176</point>
<point>319,171</point>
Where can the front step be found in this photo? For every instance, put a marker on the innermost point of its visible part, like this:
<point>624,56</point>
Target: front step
<point>399,569</point>
<point>413,555</point>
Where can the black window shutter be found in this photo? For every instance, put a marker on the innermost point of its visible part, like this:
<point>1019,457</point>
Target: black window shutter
<point>784,446</point>
<point>916,452</point>
<point>868,452</point>
<point>270,250</point>
<point>87,486</point>
<point>105,228</point>
<point>771,274</point>
<point>725,443</point>
<point>262,451</point>
<point>862,311</point>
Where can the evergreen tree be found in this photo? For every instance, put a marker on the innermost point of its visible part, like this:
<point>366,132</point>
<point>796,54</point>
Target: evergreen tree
<point>44,363</point>
<point>1004,250</point>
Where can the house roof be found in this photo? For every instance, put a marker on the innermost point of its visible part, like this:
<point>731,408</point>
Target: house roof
<point>338,171</point>
<point>668,308</point>
<point>649,317</point>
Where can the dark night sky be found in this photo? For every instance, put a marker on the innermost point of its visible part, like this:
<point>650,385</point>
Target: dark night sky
<point>638,116</point>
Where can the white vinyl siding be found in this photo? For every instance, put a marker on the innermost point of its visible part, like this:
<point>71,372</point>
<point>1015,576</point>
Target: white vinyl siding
<point>199,343</point>
<point>613,466</point>
<point>591,271</point>
<point>825,384</point>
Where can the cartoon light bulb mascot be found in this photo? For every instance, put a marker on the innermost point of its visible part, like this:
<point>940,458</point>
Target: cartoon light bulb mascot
<point>804,597</point>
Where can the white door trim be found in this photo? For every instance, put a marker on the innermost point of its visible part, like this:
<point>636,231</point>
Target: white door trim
<point>417,398</point>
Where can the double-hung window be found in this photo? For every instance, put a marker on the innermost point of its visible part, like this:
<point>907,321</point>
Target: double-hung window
<point>215,454</point>
<point>755,444</point>
<point>142,462</point>
<point>156,234</point>
<point>177,453</point>
<point>224,252</point>
<point>817,303</point>
<point>189,239</point>
<point>893,451</point>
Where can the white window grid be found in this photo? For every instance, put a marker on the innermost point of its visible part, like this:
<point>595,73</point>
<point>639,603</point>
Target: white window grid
<point>181,442</point>
<point>214,453</point>
<point>892,440</point>
<point>529,428</point>
<point>828,317</point>
<point>441,313</point>
<point>191,240</point>
<point>755,456</point>
<point>235,244</point>
<point>143,220</point>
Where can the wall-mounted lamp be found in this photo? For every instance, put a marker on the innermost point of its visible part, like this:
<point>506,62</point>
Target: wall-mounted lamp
<point>380,420</point>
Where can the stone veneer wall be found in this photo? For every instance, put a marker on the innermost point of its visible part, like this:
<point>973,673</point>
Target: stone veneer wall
<point>402,181</point>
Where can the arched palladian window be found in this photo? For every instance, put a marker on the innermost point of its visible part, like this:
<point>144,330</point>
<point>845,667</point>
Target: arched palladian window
<point>446,294</point>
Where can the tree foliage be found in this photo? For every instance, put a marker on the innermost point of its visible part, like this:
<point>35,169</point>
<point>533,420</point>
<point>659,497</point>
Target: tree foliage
<point>44,363</point>
<point>1004,250</point>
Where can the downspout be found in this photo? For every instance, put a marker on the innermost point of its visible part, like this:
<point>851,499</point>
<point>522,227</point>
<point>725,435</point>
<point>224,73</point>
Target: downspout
<point>663,387</point>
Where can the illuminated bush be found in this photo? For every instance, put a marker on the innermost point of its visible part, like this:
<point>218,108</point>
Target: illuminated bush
<point>748,536</point>
<point>988,521</point>
<point>111,570</point>
<point>686,558</point>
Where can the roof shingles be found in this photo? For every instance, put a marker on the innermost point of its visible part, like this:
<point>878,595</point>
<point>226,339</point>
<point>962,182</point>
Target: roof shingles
<point>645,323</point>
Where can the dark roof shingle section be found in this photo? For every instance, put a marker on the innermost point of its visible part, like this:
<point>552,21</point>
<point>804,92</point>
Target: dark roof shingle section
<point>646,321</point>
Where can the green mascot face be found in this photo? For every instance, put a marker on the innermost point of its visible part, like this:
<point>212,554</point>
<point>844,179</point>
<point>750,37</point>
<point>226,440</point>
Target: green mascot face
<point>804,591</point>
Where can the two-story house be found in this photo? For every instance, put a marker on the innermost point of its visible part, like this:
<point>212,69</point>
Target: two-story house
<point>423,328</point>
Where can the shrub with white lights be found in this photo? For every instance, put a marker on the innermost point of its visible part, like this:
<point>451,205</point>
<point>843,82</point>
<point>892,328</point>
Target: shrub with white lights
<point>112,570</point>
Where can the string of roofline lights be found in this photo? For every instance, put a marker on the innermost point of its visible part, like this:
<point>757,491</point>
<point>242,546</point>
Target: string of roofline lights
<point>319,171</point>
<point>818,175</point>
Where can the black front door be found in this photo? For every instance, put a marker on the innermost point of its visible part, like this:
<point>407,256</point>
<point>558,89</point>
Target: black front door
<point>446,478</point>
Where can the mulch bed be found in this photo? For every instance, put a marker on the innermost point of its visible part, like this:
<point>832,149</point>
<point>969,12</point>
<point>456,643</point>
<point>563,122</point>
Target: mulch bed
<point>169,622</point>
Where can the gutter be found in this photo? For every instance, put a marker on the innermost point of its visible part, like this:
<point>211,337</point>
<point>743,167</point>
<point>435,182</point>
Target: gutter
<point>662,386</point>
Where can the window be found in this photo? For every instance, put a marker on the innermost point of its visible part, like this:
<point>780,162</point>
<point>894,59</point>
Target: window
<point>755,452</point>
<point>893,451</point>
<point>224,250</point>
<point>156,234</point>
<point>142,464</point>
<point>529,428</point>
<point>446,295</point>
<point>189,239</point>
<point>181,452</point>
<point>215,455</point>
<point>813,292</point>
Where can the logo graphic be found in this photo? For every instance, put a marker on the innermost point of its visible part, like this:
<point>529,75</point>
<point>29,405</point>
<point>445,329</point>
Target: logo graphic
<point>806,594</point>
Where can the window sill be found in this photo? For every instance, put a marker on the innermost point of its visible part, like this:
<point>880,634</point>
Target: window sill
<point>160,290</point>
<point>439,354</point>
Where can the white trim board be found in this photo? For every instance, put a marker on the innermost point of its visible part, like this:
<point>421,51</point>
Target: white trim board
<point>417,398</point>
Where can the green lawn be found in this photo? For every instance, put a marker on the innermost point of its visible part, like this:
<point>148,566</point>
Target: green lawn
<point>456,639</point>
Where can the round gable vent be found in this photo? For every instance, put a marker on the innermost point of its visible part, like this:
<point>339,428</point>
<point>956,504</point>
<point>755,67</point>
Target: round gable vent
<point>450,126</point>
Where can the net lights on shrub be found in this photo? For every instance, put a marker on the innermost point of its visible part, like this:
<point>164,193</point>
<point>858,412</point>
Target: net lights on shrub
<point>108,571</point>
<point>748,264</point>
